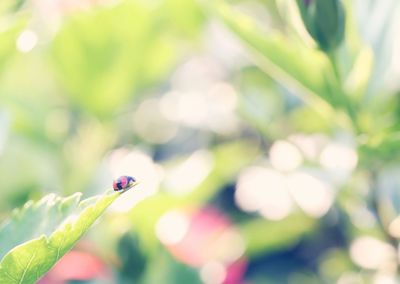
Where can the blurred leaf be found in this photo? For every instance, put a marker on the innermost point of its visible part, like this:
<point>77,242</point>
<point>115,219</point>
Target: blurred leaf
<point>164,269</point>
<point>9,31</point>
<point>187,22</point>
<point>307,120</point>
<point>378,26</point>
<point>39,234</point>
<point>357,81</point>
<point>7,6</point>
<point>261,104</point>
<point>103,56</point>
<point>37,164</point>
<point>334,263</point>
<point>286,61</point>
<point>293,65</point>
<point>384,145</point>
<point>261,235</point>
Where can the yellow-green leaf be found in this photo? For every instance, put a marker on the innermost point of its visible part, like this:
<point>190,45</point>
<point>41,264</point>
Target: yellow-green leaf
<point>39,234</point>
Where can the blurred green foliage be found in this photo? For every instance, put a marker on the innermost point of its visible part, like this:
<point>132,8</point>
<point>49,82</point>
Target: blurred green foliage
<point>264,134</point>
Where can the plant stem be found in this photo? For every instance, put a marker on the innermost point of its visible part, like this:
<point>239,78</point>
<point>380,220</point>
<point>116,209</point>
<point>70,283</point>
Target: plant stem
<point>346,103</point>
<point>333,60</point>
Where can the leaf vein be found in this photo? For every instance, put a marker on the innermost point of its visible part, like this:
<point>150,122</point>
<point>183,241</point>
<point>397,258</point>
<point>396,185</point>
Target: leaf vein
<point>27,267</point>
<point>10,276</point>
<point>60,246</point>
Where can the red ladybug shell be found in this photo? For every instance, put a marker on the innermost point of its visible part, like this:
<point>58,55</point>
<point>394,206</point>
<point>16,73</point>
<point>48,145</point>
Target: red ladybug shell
<point>123,183</point>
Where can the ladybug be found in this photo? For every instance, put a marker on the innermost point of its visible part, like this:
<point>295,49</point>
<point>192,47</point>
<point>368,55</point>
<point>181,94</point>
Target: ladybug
<point>124,183</point>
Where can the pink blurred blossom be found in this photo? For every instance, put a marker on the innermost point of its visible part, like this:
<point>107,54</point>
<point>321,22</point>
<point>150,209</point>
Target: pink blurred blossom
<point>208,239</point>
<point>76,265</point>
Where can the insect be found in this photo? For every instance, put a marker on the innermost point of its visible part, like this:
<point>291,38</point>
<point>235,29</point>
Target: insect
<point>124,183</point>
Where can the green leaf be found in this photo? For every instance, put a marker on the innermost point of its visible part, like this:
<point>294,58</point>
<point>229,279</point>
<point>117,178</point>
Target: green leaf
<point>120,49</point>
<point>358,79</point>
<point>113,58</point>
<point>260,234</point>
<point>287,61</point>
<point>39,234</point>
<point>187,23</point>
<point>291,63</point>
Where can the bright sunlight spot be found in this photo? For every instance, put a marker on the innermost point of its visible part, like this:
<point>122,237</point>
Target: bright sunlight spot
<point>312,195</point>
<point>171,228</point>
<point>264,190</point>
<point>284,156</point>
<point>26,41</point>
<point>213,272</point>
<point>371,253</point>
<point>190,173</point>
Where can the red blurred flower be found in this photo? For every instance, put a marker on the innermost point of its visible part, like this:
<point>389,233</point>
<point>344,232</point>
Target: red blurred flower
<point>212,244</point>
<point>76,265</point>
